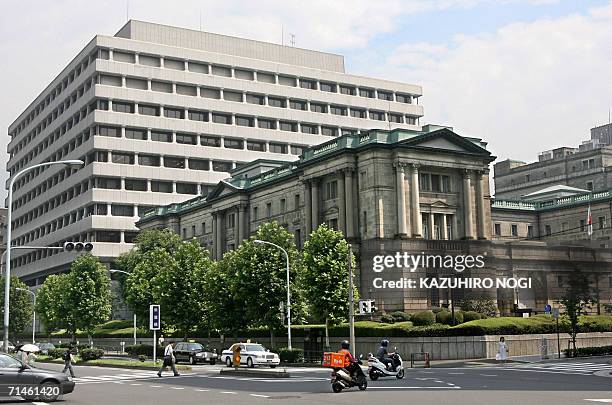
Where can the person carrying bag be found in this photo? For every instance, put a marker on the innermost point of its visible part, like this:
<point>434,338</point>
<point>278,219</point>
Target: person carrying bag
<point>169,360</point>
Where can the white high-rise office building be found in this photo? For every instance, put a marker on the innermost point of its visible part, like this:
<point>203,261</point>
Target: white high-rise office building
<point>160,114</point>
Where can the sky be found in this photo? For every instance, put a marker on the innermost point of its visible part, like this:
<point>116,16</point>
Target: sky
<point>524,75</point>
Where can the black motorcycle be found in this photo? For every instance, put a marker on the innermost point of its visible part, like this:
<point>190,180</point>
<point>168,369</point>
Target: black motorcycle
<point>347,377</point>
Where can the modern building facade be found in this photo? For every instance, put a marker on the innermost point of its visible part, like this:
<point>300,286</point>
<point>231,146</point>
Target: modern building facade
<point>161,114</point>
<point>420,192</point>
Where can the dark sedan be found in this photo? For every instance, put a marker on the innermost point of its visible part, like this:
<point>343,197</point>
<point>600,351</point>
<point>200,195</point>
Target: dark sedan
<point>194,353</point>
<point>20,380</point>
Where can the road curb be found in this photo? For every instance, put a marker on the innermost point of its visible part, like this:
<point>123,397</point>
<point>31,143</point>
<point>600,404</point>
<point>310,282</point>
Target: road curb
<point>255,372</point>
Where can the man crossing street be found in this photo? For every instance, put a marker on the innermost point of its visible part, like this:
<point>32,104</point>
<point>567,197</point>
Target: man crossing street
<point>169,360</point>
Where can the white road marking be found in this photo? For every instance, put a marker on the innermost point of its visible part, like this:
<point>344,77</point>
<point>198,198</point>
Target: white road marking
<point>155,386</point>
<point>135,384</point>
<point>177,388</point>
<point>39,403</point>
<point>414,388</point>
<point>609,401</point>
<point>489,375</point>
<point>259,396</point>
<point>457,373</point>
<point>228,392</point>
<point>200,390</point>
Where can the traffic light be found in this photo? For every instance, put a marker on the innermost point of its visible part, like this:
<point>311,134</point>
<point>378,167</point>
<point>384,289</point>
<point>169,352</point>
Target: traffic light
<point>367,307</point>
<point>78,246</point>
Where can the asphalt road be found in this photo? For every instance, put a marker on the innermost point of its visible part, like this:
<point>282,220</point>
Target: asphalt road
<point>559,383</point>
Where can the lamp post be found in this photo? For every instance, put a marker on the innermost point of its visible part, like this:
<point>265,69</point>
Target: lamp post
<point>125,272</point>
<point>33,313</point>
<point>9,211</point>
<point>288,290</point>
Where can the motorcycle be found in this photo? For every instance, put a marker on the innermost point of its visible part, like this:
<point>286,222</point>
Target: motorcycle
<point>377,368</point>
<point>342,378</point>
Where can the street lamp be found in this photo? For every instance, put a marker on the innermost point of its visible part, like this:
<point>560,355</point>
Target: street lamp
<point>288,291</point>
<point>125,272</point>
<point>33,313</point>
<point>7,280</point>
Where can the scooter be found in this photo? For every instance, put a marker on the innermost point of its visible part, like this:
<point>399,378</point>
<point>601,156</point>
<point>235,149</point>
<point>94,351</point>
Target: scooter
<point>377,368</point>
<point>341,378</point>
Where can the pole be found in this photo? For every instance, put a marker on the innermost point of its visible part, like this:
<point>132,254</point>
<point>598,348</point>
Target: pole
<point>154,346</point>
<point>288,304</point>
<point>134,329</point>
<point>351,299</point>
<point>558,340</point>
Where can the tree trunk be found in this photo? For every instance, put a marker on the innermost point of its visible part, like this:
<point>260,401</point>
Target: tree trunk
<point>575,353</point>
<point>327,334</point>
<point>272,339</point>
<point>90,340</point>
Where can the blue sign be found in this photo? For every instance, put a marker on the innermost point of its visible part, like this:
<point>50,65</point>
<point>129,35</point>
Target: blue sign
<point>154,317</point>
<point>547,308</point>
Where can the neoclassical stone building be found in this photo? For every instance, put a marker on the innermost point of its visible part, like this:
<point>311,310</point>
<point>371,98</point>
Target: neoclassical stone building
<point>401,191</point>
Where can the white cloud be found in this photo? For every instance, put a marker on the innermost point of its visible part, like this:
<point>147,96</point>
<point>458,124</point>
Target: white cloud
<point>525,88</point>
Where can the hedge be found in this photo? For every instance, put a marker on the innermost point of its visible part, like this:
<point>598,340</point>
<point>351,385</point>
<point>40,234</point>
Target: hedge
<point>91,354</point>
<point>291,356</point>
<point>425,318</point>
<point>472,316</point>
<point>446,317</point>
<point>589,351</point>
<point>146,350</point>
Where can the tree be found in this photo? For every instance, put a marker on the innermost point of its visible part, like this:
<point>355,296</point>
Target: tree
<point>20,306</point>
<point>88,297</point>
<point>325,277</point>
<point>577,299</point>
<point>261,282</point>
<point>478,302</point>
<point>180,286</point>
<point>148,241</point>
<point>51,304</point>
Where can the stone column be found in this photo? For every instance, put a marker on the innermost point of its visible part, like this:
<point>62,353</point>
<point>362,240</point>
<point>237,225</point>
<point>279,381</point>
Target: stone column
<point>314,191</point>
<point>467,205</point>
<point>432,227</point>
<point>400,190</point>
<point>444,230</point>
<point>215,231</point>
<point>238,226</point>
<point>348,197</point>
<point>341,203</point>
<point>480,206</point>
<point>307,208</point>
<point>415,208</point>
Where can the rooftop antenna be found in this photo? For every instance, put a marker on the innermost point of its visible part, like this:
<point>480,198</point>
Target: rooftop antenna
<point>292,40</point>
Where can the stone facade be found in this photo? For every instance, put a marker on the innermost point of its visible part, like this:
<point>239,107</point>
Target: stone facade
<point>421,192</point>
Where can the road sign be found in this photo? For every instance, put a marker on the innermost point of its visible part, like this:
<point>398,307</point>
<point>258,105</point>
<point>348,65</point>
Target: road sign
<point>367,307</point>
<point>555,313</point>
<point>547,308</point>
<point>154,317</point>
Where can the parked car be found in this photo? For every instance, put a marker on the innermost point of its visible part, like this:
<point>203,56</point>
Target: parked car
<point>251,354</point>
<point>45,347</point>
<point>31,383</point>
<point>194,353</point>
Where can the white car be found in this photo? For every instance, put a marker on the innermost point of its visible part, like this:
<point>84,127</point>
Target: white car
<point>251,354</point>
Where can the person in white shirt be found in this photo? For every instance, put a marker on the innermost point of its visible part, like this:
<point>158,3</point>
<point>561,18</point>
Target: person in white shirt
<point>169,360</point>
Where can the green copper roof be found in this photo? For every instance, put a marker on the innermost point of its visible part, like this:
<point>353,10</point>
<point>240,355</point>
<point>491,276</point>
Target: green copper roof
<point>563,202</point>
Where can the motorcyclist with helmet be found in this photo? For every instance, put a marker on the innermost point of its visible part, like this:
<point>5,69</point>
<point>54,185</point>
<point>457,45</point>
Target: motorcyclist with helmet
<point>350,363</point>
<point>384,356</point>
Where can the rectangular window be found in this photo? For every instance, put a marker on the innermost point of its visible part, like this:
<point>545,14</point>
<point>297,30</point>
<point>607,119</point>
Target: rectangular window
<point>187,188</point>
<point>411,120</point>
<point>148,110</point>
<point>602,222</point>
<point>221,71</point>
<point>174,64</point>
<point>244,74</point>
<point>108,236</point>
<point>161,136</point>
<point>288,126</point>
<point>174,113</point>
<point>266,124</point>
<point>268,210</point>
<point>207,92</point>
<point>435,183</point>
<point>296,150</point>
<point>213,141</point>
<point>424,184</point>
<point>123,107</point>
<point>185,90</point>
<point>186,139</point>
<point>348,90</point>
<point>377,115</point>
<point>199,164</point>
<point>548,230</point>
<point>319,108</point>
<point>582,225</point>
<point>109,183</point>
<point>231,143</point>
<point>278,148</point>
<point>331,190</point>
<point>297,105</point>
<point>287,81</point>
<point>309,129</point>
<point>222,118</point>
<point>333,224</point>
<point>358,113</point>
<point>109,131</point>
<point>255,214</point>
<point>277,102</point>
<point>337,110</point>
<point>222,166</point>
<point>308,84</point>
<point>446,184</point>
<point>368,93</point>
<point>101,209</point>
<point>255,99</point>
<point>118,210</point>
<point>385,95</point>
<point>123,158</point>
<point>129,236</point>
<point>161,186</point>
<point>397,118</point>
<point>497,229</point>
<point>330,87</point>
<point>589,185</point>
<point>232,96</point>
<point>174,162</point>
<point>198,115</point>
<point>529,231</point>
<point>403,98</point>
<point>296,202</point>
<point>256,146</point>
<point>197,67</point>
<point>135,185</point>
<point>266,77</point>
<point>245,121</point>
<point>329,131</point>
<point>147,60</point>
<point>162,87</point>
<point>133,133</point>
<point>514,230</point>
<point>148,160</point>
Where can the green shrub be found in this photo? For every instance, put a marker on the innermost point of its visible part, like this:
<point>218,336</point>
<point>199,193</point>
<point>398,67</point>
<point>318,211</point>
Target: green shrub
<point>399,316</point>
<point>443,317</point>
<point>471,316</point>
<point>142,358</point>
<point>146,350</point>
<point>425,318</point>
<point>291,356</point>
<point>387,319</point>
<point>436,310</point>
<point>458,317</point>
<point>56,353</point>
<point>483,304</point>
<point>589,351</point>
<point>91,354</point>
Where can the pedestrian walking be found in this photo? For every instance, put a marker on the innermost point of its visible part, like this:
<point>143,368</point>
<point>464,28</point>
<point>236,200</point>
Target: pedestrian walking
<point>68,360</point>
<point>169,360</point>
<point>502,351</point>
